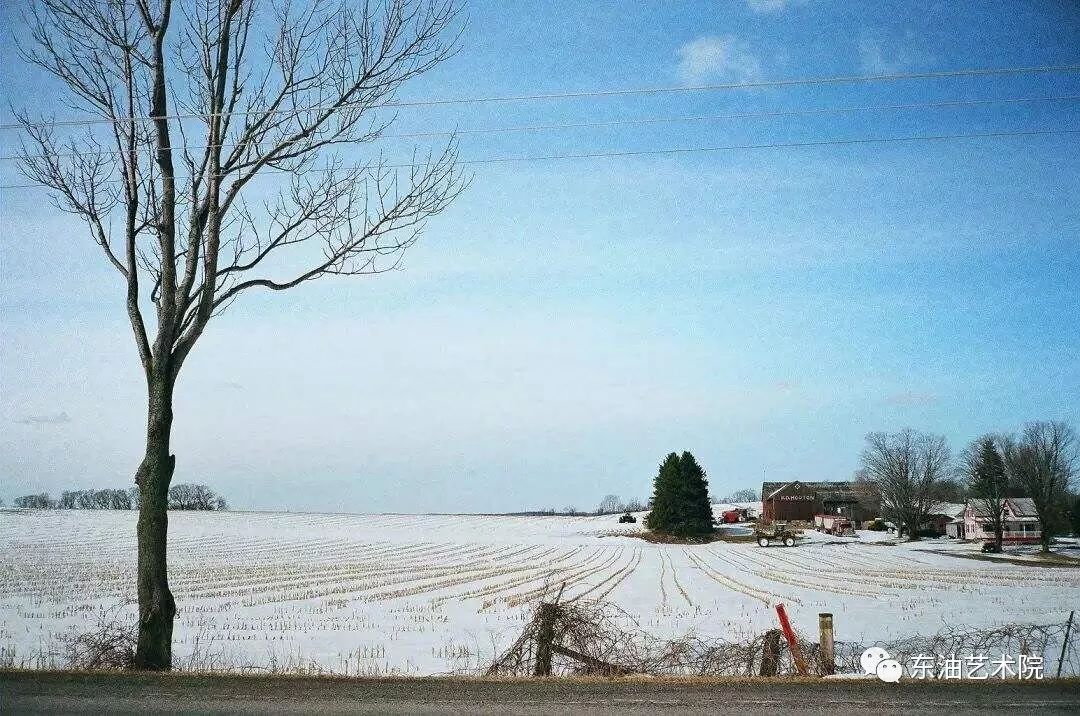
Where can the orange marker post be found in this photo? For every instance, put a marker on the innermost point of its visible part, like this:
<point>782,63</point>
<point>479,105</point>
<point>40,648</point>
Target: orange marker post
<point>793,642</point>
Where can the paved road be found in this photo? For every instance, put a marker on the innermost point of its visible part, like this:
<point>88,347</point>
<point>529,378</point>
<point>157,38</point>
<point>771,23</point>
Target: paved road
<point>29,692</point>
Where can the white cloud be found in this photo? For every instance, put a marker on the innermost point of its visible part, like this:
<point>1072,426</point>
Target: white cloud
<point>766,7</point>
<point>58,419</point>
<point>714,56</point>
<point>880,56</point>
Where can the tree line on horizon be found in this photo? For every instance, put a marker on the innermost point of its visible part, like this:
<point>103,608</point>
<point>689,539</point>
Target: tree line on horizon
<point>184,496</point>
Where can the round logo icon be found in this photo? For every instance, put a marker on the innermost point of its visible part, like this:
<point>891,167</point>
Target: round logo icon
<point>871,658</point>
<point>889,670</point>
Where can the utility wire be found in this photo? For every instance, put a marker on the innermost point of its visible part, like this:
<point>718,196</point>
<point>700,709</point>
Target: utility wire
<point>808,81</point>
<point>770,145</point>
<point>689,150</point>
<point>641,121</point>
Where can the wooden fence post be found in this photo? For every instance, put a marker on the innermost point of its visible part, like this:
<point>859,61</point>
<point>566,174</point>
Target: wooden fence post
<point>770,653</point>
<point>826,651</point>
<point>545,635</point>
<point>1065,642</point>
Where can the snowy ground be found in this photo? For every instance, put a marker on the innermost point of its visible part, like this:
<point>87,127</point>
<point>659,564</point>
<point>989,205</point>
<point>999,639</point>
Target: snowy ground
<point>425,594</point>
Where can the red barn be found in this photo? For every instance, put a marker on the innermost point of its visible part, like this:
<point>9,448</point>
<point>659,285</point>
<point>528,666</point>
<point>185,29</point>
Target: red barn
<point>787,501</point>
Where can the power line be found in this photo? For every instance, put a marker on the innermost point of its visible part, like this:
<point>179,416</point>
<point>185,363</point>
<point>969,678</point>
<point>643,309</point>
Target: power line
<point>689,150</point>
<point>649,120</point>
<point>760,84</point>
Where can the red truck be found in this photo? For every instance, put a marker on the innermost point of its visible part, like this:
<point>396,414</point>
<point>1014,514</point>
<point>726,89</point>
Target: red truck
<point>732,516</point>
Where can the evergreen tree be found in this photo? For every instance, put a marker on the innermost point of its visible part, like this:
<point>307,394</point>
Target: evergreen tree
<point>662,512</point>
<point>680,503</point>
<point>696,509</point>
<point>988,484</point>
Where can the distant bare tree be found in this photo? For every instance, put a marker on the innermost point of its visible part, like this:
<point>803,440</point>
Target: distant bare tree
<point>1044,461</point>
<point>180,497</point>
<point>194,497</point>
<point>234,90</point>
<point>745,495</point>
<point>34,502</point>
<point>119,500</point>
<point>69,500</point>
<point>107,499</point>
<point>906,470</point>
<point>609,505</point>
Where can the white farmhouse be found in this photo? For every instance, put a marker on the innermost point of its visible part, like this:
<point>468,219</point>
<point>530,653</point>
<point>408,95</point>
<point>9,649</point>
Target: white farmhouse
<point>1021,522</point>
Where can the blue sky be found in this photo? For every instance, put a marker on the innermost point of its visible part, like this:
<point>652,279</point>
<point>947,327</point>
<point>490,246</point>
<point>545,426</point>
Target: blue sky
<point>566,323</point>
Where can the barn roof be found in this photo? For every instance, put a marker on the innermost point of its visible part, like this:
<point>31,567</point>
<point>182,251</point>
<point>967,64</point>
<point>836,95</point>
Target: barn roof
<point>827,491</point>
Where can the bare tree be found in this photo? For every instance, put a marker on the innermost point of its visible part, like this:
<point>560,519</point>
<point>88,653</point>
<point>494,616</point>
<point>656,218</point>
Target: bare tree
<point>1043,462</point>
<point>107,499</point>
<point>234,90</point>
<point>609,505</point>
<point>34,502</point>
<point>983,471</point>
<point>69,500</point>
<point>86,500</point>
<point>119,500</point>
<point>906,470</point>
<point>194,497</point>
<point>748,494</point>
<point>180,497</point>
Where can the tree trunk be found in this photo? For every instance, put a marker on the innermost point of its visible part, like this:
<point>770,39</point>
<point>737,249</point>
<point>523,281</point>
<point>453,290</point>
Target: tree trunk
<point>156,605</point>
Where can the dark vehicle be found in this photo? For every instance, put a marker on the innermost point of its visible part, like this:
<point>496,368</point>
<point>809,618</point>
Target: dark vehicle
<point>627,517</point>
<point>991,547</point>
<point>776,531</point>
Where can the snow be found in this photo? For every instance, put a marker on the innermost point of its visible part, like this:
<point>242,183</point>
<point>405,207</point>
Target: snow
<point>430,594</point>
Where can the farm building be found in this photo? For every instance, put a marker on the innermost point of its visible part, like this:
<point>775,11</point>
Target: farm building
<point>945,514</point>
<point>787,501</point>
<point>1021,523</point>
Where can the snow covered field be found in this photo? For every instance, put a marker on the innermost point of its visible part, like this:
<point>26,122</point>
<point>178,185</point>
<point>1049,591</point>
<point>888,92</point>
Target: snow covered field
<point>426,594</point>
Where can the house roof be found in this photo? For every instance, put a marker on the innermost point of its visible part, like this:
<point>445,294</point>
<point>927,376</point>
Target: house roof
<point>1022,507</point>
<point>952,510</point>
